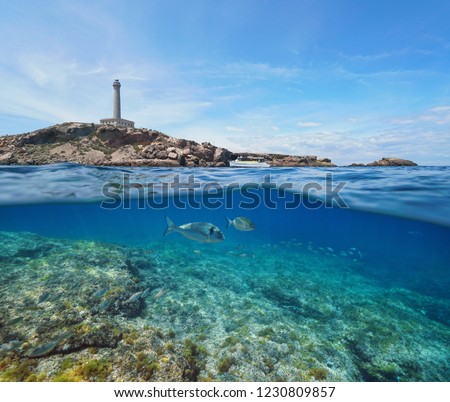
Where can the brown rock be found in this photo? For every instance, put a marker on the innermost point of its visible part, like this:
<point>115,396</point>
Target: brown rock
<point>161,155</point>
<point>221,155</point>
<point>5,158</point>
<point>392,162</point>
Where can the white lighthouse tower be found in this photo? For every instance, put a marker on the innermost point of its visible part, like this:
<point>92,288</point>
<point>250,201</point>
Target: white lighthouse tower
<point>117,120</point>
<point>116,112</point>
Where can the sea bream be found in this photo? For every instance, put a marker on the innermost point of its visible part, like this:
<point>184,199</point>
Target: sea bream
<point>241,223</point>
<point>203,232</point>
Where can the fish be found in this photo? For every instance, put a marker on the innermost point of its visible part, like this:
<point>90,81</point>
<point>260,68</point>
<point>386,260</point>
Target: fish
<point>203,232</point>
<point>43,297</point>
<point>134,297</point>
<point>43,349</point>
<point>99,293</point>
<point>145,293</point>
<point>11,346</point>
<point>15,320</point>
<point>160,293</point>
<point>50,346</point>
<point>104,305</point>
<point>241,223</point>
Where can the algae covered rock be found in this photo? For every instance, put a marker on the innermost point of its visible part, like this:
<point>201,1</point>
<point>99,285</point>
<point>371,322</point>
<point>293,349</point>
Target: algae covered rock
<point>55,294</point>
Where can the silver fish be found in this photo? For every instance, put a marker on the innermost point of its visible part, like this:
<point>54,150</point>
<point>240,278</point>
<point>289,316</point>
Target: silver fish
<point>241,223</point>
<point>10,346</point>
<point>145,293</point>
<point>203,232</point>
<point>134,297</point>
<point>99,293</point>
<point>43,349</point>
<point>43,297</point>
<point>50,346</point>
<point>104,305</point>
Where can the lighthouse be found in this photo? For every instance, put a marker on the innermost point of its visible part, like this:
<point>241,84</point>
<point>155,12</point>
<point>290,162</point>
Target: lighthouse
<point>117,120</point>
<point>116,111</point>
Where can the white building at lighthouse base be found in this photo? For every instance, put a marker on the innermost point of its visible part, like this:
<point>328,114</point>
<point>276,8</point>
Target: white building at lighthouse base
<point>117,122</point>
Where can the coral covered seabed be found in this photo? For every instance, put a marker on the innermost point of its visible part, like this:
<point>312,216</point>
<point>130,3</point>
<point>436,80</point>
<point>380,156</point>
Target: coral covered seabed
<point>179,311</point>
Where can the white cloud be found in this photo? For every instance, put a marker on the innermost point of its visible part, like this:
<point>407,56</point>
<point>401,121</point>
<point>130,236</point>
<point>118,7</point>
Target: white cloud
<point>166,111</point>
<point>230,128</point>
<point>440,109</point>
<point>369,57</point>
<point>247,71</point>
<point>439,115</point>
<point>308,124</point>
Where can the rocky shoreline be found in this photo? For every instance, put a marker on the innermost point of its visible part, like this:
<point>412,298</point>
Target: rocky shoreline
<point>103,145</point>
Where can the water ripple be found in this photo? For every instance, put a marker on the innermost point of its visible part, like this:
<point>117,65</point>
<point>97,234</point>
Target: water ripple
<point>413,192</point>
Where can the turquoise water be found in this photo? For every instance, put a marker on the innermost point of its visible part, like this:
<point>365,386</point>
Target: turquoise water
<point>352,292</point>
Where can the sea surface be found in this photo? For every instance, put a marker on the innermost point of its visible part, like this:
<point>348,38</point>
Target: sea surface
<point>345,277</point>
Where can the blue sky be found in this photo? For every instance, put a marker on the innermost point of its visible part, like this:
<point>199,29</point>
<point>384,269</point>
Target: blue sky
<point>351,80</point>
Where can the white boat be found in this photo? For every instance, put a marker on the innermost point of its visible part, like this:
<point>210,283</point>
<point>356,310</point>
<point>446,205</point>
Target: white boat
<point>249,162</point>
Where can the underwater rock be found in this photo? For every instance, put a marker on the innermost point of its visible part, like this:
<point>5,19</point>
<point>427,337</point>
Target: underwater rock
<point>52,289</point>
<point>286,314</point>
<point>139,262</point>
<point>101,336</point>
<point>28,245</point>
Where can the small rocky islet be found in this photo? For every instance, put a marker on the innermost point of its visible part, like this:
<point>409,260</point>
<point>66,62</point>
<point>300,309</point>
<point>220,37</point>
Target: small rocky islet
<point>106,145</point>
<point>79,310</point>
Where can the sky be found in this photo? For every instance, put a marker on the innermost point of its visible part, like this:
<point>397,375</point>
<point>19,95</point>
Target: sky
<point>349,80</point>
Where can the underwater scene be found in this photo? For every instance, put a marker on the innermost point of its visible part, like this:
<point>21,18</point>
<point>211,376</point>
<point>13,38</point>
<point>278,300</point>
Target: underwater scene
<point>286,274</point>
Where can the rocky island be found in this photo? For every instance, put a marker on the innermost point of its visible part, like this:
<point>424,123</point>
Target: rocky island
<point>107,145</point>
<point>387,162</point>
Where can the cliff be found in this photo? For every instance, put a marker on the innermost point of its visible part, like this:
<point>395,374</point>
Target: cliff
<point>93,144</point>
